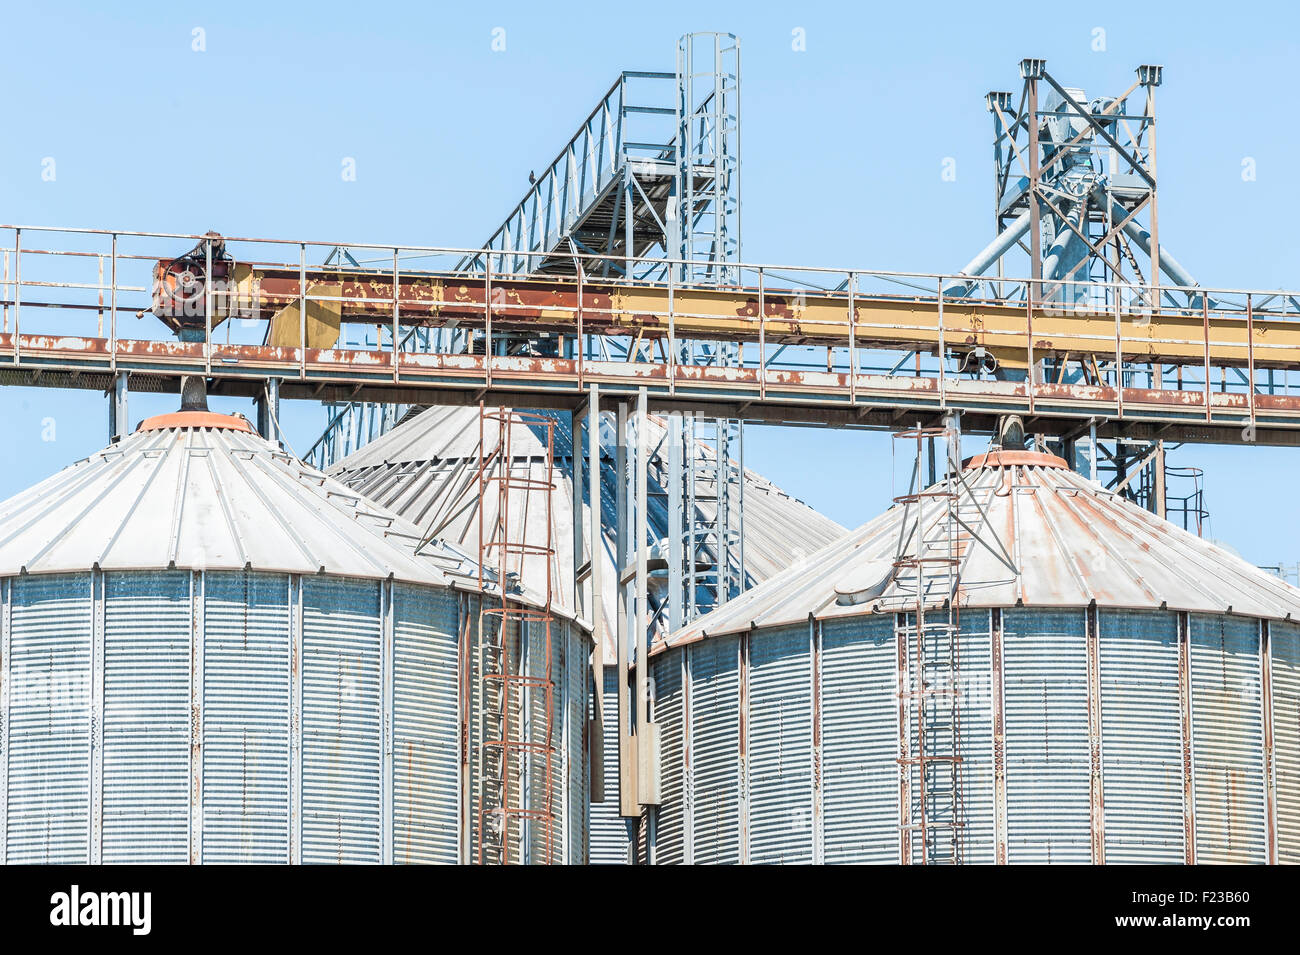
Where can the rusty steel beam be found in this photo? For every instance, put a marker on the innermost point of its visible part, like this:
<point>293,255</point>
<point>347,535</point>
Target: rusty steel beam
<point>311,303</point>
<point>829,399</point>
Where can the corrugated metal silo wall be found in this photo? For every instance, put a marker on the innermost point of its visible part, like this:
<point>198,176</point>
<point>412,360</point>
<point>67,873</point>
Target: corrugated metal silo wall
<point>1284,652</point>
<point>527,768</point>
<point>1141,730</point>
<point>1045,681</point>
<point>195,681</point>
<point>783,745</point>
<point>859,740</point>
<point>1227,739</point>
<point>612,837</point>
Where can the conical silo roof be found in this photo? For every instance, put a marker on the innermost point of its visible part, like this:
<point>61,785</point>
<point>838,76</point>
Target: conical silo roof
<point>1030,532</point>
<point>425,470</point>
<point>201,491</point>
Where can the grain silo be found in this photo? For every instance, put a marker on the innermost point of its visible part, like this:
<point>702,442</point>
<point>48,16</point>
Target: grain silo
<point>213,653</point>
<point>1120,691</point>
<point>424,470</point>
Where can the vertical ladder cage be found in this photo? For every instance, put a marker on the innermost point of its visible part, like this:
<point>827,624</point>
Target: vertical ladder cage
<point>517,692</point>
<point>927,627</point>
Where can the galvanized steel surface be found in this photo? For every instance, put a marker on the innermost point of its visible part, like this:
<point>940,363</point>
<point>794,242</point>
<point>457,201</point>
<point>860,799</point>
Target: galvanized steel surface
<point>178,716</point>
<point>1047,761</point>
<point>728,797</point>
<point>1284,642</point>
<point>1142,737</point>
<point>1070,542</point>
<point>212,499</point>
<point>424,469</point>
<point>1227,739</point>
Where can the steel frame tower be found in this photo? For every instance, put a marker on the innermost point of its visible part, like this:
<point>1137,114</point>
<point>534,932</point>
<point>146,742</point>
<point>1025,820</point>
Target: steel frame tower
<point>1075,192</point>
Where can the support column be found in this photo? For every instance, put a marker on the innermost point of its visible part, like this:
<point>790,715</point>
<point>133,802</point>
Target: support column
<point>118,424</point>
<point>575,475</point>
<point>268,411</point>
<point>1158,500</point>
<point>676,525</point>
<point>597,602</point>
<point>647,734</point>
<point>952,422</point>
<point>627,762</point>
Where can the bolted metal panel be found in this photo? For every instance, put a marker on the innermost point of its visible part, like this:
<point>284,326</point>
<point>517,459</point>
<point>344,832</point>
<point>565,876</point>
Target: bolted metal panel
<point>340,721</point>
<point>612,835</point>
<point>779,747</point>
<point>147,717</point>
<point>426,744</point>
<point>1141,749</point>
<point>577,676</point>
<point>670,829</point>
<point>859,713</point>
<point>1045,676</point>
<point>245,718</point>
<point>1227,739</point>
<point>715,781</point>
<point>48,679</point>
<point>1284,643</point>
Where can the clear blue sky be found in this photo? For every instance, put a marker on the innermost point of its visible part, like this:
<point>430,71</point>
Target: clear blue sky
<point>843,145</point>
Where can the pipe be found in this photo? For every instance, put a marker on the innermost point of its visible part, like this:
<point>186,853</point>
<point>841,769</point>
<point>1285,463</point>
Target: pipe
<point>1168,264</point>
<point>990,254</point>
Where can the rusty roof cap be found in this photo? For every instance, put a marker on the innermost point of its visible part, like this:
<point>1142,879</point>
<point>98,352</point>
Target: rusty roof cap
<point>1007,459</point>
<point>196,419</point>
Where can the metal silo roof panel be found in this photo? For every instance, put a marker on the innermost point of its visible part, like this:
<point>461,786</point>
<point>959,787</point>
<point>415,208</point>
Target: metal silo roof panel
<point>1047,538</point>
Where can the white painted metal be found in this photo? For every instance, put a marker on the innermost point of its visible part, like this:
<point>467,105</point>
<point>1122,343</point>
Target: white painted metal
<point>1047,753</point>
<point>1227,739</point>
<point>1284,640</point>
<point>1142,766</point>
